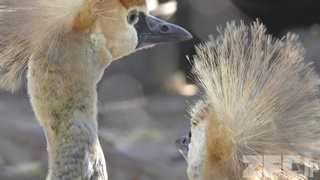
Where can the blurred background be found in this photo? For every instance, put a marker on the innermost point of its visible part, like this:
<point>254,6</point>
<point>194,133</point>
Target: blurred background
<point>144,97</point>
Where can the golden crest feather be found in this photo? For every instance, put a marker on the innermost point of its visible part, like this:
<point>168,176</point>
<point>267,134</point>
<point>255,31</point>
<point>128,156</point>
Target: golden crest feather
<point>263,96</point>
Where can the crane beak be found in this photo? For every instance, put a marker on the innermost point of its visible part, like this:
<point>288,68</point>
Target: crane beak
<point>182,144</point>
<point>152,30</point>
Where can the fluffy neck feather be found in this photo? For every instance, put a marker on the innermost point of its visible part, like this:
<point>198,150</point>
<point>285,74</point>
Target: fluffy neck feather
<point>63,96</point>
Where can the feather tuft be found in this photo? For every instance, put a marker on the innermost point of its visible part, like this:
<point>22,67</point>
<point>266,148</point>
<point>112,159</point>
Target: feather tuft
<point>36,26</point>
<point>263,96</point>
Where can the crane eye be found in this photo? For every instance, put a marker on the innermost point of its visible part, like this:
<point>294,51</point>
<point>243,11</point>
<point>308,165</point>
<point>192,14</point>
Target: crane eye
<point>190,134</point>
<point>133,17</point>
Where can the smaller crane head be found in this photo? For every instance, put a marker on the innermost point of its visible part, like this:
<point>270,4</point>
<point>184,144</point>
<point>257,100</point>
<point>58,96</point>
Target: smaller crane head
<point>193,146</point>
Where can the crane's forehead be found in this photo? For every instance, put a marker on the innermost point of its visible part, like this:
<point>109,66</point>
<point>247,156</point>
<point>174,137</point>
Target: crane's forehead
<point>131,3</point>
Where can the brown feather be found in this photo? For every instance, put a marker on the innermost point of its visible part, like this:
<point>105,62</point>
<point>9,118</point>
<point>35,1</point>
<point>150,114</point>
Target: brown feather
<point>130,3</point>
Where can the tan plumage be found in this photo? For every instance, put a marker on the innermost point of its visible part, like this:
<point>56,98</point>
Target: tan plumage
<point>65,46</point>
<point>30,27</point>
<point>261,98</point>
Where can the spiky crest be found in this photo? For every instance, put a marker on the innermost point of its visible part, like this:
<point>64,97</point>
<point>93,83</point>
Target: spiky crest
<point>263,96</point>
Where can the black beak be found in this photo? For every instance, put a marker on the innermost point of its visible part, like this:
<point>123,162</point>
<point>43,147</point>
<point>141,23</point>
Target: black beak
<point>152,30</point>
<point>182,145</point>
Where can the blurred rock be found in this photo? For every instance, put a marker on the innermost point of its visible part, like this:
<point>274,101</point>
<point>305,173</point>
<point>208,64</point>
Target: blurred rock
<point>118,88</point>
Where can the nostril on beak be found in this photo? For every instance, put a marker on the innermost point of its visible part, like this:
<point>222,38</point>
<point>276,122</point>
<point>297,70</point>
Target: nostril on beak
<point>164,28</point>
<point>183,141</point>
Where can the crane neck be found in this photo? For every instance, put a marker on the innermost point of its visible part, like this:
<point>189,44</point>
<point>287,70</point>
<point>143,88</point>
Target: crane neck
<point>62,90</point>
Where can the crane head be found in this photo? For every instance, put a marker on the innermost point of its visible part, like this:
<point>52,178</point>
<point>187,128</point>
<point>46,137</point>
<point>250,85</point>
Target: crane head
<point>89,31</point>
<point>121,27</point>
<point>193,147</point>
